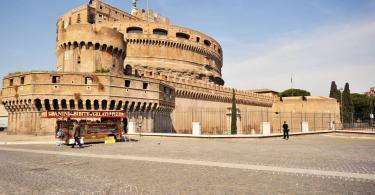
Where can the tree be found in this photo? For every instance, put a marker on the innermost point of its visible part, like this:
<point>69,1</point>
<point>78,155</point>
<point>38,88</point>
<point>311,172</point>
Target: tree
<point>362,106</point>
<point>294,92</point>
<point>347,105</point>
<point>233,127</point>
<point>334,92</point>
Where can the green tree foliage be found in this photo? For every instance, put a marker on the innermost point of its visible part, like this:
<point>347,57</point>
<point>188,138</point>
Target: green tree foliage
<point>347,105</point>
<point>363,106</point>
<point>294,92</point>
<point>334,92</point>
<point>234,115</point>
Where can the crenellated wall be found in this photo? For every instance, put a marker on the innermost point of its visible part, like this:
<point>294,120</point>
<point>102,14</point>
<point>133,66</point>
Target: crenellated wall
<point>86,48</point>
<point>27,97</point>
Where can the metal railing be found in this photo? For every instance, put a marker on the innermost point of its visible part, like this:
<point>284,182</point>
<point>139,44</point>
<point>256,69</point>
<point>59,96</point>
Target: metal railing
<point>218,122</point>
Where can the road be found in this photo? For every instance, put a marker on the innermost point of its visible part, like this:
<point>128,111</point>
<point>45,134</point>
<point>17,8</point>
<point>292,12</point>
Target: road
<point>316,164</point>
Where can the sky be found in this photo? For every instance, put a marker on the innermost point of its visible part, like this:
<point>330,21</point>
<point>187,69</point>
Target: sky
<point>265,42</point>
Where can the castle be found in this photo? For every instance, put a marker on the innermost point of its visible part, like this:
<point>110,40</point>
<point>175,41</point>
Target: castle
<point>138,62</point>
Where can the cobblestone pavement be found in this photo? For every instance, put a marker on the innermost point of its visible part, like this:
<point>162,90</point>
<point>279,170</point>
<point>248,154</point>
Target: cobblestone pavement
<point>26,172</point>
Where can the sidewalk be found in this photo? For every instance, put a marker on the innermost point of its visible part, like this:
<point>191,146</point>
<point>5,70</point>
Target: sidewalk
<point>31,139</point>
<point>25,139</point>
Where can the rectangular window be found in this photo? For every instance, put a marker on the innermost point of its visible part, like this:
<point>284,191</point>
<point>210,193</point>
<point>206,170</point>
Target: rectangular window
<point>127,83</point>
<point>56,79</point>
<point>79,18</point>
<point>22,80</point>
<point>70,21</point>
<point>145,86</point>
<point>88,80</point>
<point>10,82</point>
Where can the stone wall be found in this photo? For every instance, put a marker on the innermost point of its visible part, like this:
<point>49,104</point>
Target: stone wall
<point>320,112</point>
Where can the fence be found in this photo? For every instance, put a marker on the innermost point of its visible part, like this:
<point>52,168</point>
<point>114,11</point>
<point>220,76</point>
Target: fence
<point>248,122</point>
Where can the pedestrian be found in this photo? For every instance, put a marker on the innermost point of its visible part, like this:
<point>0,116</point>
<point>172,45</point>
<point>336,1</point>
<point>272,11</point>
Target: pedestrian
<point>57,134</point>
<point>285,130</point>
<point>76,134</point>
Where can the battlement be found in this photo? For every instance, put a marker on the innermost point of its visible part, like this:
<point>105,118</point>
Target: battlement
<point>196,89</point>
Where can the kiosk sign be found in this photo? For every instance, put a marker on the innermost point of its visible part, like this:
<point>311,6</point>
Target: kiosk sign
<point>85,114</point>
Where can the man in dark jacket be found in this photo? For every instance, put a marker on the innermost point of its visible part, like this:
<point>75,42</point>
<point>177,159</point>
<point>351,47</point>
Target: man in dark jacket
<point>285,130</point>
<point>76,134</point>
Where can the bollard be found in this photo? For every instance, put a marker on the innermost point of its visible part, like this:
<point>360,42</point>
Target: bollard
<point>197,131</point>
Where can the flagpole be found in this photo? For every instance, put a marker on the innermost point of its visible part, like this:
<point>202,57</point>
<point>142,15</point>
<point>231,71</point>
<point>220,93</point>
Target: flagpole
<point>148,12</point>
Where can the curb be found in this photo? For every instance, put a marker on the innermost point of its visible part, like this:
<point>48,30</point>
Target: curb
<point>27,142</point>
<point>356,132</point>
<point>226,136</point>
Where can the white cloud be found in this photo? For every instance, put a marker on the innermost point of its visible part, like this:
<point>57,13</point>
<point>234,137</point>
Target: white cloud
<point>344,53</point>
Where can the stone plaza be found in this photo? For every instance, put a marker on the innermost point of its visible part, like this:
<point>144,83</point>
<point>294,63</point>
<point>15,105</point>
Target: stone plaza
<point>315,164</point>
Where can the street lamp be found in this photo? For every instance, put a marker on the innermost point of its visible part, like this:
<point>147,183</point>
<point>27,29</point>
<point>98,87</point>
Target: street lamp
<point>341,111</point>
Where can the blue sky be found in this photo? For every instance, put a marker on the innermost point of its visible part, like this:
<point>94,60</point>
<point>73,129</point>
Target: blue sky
<point>264,41</point>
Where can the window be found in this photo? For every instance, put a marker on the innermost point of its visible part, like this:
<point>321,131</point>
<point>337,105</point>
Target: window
<point>145,86</point>
<point>79,59</point>
<point>182,36</point>
<point>10,82</point>
<point>159,31</point>
<point>207,43</point>
<point>88,80</point>
<point>198,39</point>
<point>79,18</point>
<point>101,7</point>
<point>128,70</point>
<point>56,79</point>
<point>22,80</point>
<point>100,15</point>
<point>134,30</point>
<point>70,20</point>
<point>127,83</point>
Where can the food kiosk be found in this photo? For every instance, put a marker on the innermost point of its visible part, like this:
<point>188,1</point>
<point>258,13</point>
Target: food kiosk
<point>95,126</point>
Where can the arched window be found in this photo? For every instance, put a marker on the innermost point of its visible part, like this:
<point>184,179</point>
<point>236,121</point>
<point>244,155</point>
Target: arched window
<point>47,105</point>
<point>104,104</point>
<point>38,104</point>
<point>96,105</point>
<point>183,36</point>
<point>88,104</point>
<point>207,43</point>
<point>128,70</point>
<point>71,104</point>
<point>134,30</point>
<point>159,31</point>
<point>55,104</point>
<point>63,104</point>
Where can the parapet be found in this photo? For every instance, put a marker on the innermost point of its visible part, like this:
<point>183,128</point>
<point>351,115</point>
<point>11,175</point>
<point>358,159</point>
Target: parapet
<point>87,33</point>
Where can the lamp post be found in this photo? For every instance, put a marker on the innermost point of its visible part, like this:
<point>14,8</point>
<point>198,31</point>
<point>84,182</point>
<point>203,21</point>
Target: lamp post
<point>341,111</point>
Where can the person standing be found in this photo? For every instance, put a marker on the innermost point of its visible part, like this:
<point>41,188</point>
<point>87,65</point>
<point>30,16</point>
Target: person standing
<point>76,134</point>
<point>285,130</point>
